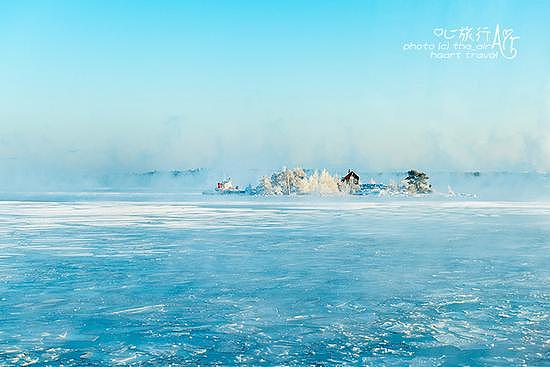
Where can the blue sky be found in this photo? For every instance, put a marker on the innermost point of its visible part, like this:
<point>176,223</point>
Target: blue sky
<point>114,86</point>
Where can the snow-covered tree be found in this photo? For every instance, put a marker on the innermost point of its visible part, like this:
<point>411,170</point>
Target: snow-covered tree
<point>296,181</point>
<point>417,183</point>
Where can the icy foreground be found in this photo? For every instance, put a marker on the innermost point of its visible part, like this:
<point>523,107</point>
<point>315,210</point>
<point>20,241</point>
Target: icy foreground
<point>267,282</point>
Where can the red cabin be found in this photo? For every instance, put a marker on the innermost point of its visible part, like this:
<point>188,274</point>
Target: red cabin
<point>351,178</point>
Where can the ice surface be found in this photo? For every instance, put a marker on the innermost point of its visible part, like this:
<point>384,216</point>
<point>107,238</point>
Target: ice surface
<point>274,282</point>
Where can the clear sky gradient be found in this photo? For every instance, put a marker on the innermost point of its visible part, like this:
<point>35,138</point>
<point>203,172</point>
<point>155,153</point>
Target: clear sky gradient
<point>118,86</point>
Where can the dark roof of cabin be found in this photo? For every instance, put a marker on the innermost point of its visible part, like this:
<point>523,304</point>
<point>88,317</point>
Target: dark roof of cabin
<point>350,175</point>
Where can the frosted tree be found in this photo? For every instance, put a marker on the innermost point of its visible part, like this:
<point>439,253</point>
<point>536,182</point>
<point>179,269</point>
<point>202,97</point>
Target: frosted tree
<point>313,182</point>
<point>417,183</point>
<point>265,186</point>
<point>295,181</point>
<point>328,184</point>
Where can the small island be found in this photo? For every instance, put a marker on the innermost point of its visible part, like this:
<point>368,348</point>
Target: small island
<point>298,181</point>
